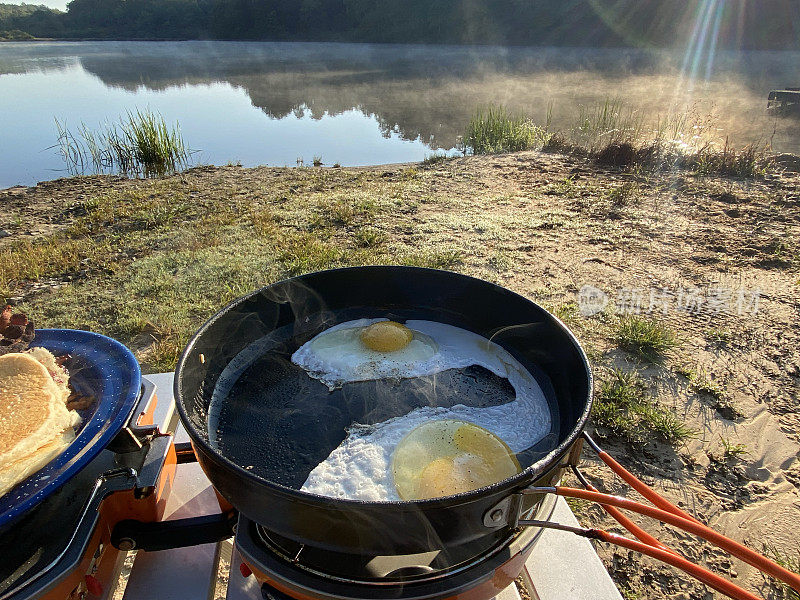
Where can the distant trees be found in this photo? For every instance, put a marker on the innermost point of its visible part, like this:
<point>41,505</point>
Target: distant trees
<point>748,24</point>
<point>38,21</point>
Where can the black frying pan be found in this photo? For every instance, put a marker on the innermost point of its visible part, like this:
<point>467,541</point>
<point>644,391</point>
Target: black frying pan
<point>277,423</point>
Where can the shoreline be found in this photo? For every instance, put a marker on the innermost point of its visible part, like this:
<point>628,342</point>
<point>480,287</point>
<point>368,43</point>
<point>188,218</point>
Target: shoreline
<point>610,47</point>
<point>781,161</point>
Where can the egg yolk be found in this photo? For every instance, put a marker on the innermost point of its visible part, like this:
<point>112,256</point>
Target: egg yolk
<point>386,336</point>
<point>446,457</point>
<point>454,475</point>
<point>476,440</point>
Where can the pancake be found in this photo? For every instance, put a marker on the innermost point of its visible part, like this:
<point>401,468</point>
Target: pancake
<point>35,424</point>
<point>15,472</point>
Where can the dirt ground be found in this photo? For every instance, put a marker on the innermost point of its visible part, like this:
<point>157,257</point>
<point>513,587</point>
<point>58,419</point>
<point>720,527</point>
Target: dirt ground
<point>715,259</point>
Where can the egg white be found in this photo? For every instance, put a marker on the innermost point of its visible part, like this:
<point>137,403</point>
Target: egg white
<point>360,467</point>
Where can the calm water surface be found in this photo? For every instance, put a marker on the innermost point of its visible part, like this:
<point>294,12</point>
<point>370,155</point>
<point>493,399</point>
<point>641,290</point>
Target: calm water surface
<point>285,103</point>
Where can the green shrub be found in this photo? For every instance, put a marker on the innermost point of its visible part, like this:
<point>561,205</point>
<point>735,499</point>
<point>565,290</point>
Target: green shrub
<point>495,130</point>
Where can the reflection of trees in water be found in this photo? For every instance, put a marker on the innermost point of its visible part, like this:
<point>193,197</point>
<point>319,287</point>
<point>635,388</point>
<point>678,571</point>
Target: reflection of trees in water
<point>429,92</point>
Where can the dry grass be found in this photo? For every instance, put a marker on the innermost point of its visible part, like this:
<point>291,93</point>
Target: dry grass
<point>28,260</point>
<point>160,256</point>
<point>790,561</point>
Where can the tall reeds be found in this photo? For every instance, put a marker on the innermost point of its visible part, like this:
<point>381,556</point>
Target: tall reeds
<point>140,144</point>
<point>494,130</point>
<point>616,135</point>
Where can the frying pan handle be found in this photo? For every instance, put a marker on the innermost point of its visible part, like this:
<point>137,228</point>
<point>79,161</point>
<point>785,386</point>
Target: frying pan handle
<point>509,511</point>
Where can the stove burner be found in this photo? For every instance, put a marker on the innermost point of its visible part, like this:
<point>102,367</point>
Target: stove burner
<point>288,569</point>
<point>374,570</point>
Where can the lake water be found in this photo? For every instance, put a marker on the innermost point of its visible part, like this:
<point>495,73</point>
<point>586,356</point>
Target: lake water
<point>359,104</point>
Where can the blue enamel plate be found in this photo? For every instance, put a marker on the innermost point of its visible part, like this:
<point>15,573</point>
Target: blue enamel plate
<point>102,368</point>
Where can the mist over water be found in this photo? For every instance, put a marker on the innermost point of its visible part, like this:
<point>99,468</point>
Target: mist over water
<point>359,104</point>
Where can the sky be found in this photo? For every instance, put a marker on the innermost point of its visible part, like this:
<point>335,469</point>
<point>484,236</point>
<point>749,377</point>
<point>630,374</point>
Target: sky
<point>59,4</point>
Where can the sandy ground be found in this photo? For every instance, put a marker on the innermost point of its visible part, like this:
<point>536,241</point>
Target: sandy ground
<point>715,258</point>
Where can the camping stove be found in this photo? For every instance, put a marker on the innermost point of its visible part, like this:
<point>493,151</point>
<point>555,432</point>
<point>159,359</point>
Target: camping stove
<point>289,570</point>
<point>61,549</point>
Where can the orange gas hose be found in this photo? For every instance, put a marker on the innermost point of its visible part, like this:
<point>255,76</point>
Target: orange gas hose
<point>643,488</point>
<point>738,550</point>
<point>712,580</point>
<point>620,518</point>
<point>638,484</point>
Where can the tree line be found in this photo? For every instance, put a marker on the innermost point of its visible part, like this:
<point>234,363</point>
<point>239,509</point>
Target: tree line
<point>745,24</point>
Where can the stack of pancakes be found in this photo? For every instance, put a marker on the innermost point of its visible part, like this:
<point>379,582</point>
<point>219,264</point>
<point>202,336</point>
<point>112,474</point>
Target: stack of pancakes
<point>35,424</point>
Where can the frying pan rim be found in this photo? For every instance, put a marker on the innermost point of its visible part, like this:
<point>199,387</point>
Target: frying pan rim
<point>520,480</point>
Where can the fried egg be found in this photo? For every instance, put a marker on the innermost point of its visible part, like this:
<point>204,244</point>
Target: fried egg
<point>360,467</point>
<point>341,354</point>
<point>366,349</point>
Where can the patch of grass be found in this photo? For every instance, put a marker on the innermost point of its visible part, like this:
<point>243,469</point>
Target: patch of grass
<point>343,212</point>
<point>557,143</point>
<point>645,338</point>
<point>566,188</point>
<point>787,561</point>
<point>653,155</point>
<point>567,311</point>
<point>667,426</point>
<point>605,124</point>
<point>625,410</point>
<point>307,253</point>
<point>748,163</point>
<point>783,250</point>
<point>55,256</point>
<point>164,354</point>
<point>434,159</point>
<point>630,594</point>
<point>578,505</point>
<point>624,194</point>
<point>700,382</point>
<point>494,130</point>
<point>264,222</point>
<point>139,144</point>
<point>731,450</point>
<point>718,336</point>
<point>433,259</point>
<point>369,237</point>
<point>500,261</point>
<point>619,136</point>
<point>317,161</point>
<point>617,154</point>
<point>409,173</point>
<point>123,212</point>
